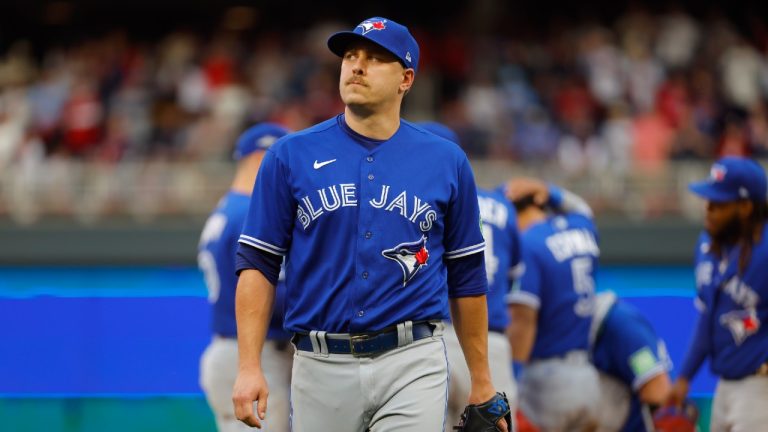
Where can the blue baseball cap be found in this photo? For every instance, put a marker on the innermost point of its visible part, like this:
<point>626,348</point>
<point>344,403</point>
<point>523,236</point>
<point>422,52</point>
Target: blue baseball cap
<point>258,138</point>
<point>732,179</point>
<point>440,130</point>
<point>384,32</point>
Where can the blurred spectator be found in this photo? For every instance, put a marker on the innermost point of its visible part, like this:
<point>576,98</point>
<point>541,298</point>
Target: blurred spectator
<point>677,39</point>
<point>82,118</point>
<point>652,137</point>
<point>536,137</point>
<point>617,136</point>
<point>757,128</point>
<point>690,142</point>
<point>602,61</point>
<point>644,75</point>
<point>741,68</point>
<point>734,140</point>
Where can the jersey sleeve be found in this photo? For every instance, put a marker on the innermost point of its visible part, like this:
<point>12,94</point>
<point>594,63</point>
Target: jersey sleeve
<point>270,219</point>
<point>528,290</point>
<point>648,360</point>
<point>566,201</point>
<point>462,223</point>
<point>466,276</point>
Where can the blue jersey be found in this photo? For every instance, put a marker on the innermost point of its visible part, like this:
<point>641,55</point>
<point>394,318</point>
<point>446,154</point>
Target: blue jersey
<point>502,253</point>
<point>216,258</point>
<point>365,224</point>
<point>628,348</point>
<point>734,307</point>
<point>559,258</point>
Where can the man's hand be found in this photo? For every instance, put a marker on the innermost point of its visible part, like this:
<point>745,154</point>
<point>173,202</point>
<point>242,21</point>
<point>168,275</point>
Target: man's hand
<point>480,416</point>
<point>250,387</point>
<point>480,392</point>
<point>679,392</point>
<point>521,187</point>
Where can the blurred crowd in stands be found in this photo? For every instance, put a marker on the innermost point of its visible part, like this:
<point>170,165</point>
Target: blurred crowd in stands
<point>587,97</point>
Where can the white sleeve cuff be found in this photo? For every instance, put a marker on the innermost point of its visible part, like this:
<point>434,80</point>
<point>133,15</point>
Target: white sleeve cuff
<point>524,298</point>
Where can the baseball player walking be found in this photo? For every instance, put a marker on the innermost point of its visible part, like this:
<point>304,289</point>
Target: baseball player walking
<point>553,307</point>
<point>502,256</point>
<point>379,222</point>
<point>633,365</point>
<point>732,296</point>
<point>216,258</point>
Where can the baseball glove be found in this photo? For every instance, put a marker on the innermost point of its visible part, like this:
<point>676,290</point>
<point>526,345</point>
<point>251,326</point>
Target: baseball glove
<point>676,419</point>
<point>483,417</point>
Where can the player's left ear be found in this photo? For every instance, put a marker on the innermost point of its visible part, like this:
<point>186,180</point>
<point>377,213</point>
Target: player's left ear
<point>408,77</point>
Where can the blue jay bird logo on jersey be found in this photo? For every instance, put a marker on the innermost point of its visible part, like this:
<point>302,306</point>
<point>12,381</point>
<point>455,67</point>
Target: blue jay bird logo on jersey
<point>373,25</point>
<point>741,323</point>
<point>411,256</point>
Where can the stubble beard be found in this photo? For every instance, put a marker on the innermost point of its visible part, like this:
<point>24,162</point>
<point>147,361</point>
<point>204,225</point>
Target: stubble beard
<point>358,104</point>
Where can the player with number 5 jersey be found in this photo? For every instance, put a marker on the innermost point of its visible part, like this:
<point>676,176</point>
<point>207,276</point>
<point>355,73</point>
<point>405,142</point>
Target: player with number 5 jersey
<point>553,307</point>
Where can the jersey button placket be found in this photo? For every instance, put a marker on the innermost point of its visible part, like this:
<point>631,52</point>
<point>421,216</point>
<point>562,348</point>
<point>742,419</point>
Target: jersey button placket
<point>368,191</point>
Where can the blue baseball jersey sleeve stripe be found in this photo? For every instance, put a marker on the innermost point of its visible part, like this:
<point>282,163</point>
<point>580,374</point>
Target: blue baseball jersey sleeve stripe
<point>469,250</point>
<point>262,245</point>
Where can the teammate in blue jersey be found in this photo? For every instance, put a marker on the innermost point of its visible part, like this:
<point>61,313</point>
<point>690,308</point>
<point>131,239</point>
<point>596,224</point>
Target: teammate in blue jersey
<point>553,307</point>
<point>379,222</point>
<point>502,256</point>
<point>633,365</point>
<point>216,258</point>
<point>732,285</point>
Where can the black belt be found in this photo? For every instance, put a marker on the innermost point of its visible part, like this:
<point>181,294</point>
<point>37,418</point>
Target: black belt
<point>363,344</point>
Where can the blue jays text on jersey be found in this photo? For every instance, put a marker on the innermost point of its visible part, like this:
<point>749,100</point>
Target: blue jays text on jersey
<point>335,197</point>
<point>216,259</point>
<point>734,307</point>
<point>560,257</point>
<point>366,225</point>
<point>502,253</point>
<point>628,348</point>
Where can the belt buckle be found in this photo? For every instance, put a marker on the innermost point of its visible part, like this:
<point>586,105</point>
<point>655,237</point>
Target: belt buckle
<point>358,338</point>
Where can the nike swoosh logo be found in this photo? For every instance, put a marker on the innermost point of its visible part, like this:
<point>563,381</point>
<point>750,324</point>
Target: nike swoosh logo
<point>318,165</point>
